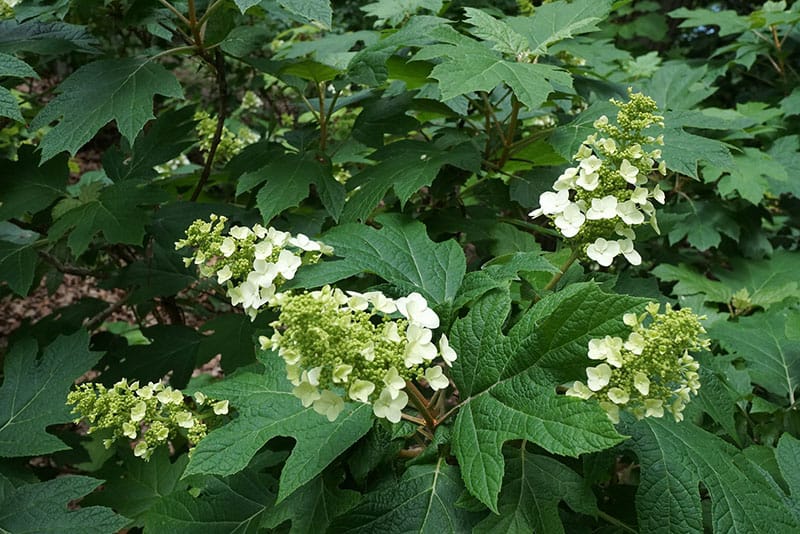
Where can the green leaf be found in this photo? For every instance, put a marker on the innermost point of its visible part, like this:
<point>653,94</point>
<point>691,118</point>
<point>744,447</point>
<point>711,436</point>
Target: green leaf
<point>405,166</point>
<point>701,223</point>
<point>46,38</point>
<point>172,348</point>
<point>786,152</point>
<point>488,28</point>
<point>315,11</point>
<point>508,381</point>
<point>161,275</point>
<point>18,265</point>
<point>313,507</point>
<point>467,66</point>
<point>556,21</point>
<point>121,90</point>
<point>533,486</point>
<point>267,408</point>
<point>400,252</point>
<point>788,455</point>
<point>116,214</point>
<point>286,183</point>
<point>394,12</point>
<point>682,152</point>
<point>675,458</point>
<point>767,282</point>
<point>232,336</point>
<point>34,392</point>
<point>751,174</point>
<point>27,188</point>
<point>136,486</point>
<point>44,507</point>
<point>172,133</point>
<point>15,68</point>
<point>422,501</point>
<point>678,86</point>
<point>728,21</point>
<point>9,106</point>
<point>224,505</point>
<point>773,360</point>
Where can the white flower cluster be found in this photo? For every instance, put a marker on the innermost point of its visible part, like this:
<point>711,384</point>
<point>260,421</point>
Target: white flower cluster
<point>363,347</point>
<point>598,202</point>
<point>648,372</point>
<point>252,262</point>
<point>152,413</point>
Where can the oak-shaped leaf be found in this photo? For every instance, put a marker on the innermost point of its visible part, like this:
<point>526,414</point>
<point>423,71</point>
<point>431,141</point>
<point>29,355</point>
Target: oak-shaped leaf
<point>43,507</point>
<point>507,381</point>
<point>266,408</point>
<point>676,458</point>
<point>34,392</point>
<point>119,90</point>
<point>772,358</point>
<point>214,506</point>
<point>533,486</point>
<point>422,500</point>
<point>400,252</point>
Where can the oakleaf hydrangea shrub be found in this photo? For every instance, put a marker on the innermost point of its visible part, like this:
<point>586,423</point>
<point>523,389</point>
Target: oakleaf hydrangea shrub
<point>651,370</point>
<point>149,416</point>
<point>598,203</point>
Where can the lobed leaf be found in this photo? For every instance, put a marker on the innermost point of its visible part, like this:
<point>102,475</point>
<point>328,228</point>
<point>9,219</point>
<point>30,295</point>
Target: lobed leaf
<point>508,381</point>
<point>34,392</point>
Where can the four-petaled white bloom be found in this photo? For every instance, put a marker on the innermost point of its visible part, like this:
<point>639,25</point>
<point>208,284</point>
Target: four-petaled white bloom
<point>603,251</point>
<point>628,172</point>
<point>570,220</point>
<point>388,407</point>
<point>415,308</point>
<point>603,208</point>
<point>436,378</point>
<point>598,377</point>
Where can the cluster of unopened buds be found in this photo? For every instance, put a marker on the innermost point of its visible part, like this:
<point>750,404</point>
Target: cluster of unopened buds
<point>598,202</point>
<point>337,346</point>
<point>651,371</point>
<point>357,346</point>
<point>150,415</point>
<point>251,262</point>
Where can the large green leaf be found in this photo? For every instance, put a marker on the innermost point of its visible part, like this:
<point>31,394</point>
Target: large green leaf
<point>286,181</point>
<point>676,458</point>
<point>166,138</point>
<point>223,506</point>
<point>133,487</point>
<point>728,21</point>
<point>313,507</point>
<point>232,336</point>
<point>115,213</point>
<point>683,151</point>
<point>44,508</point>
<point>508,382</point>
<point>773,360</point>
<point>555,21</point>
<point>467,66</point>
<point>488,28</point>
<point>533,486</point>
<point>422,500</point>
<point>400,252</point>
<point>119,90</point>
<point>750,175</point>
<point>172,349</point>
<point>18,265</point>
<point>26,187</point>
<point>767,282</point>
<point>404,166</point>
<point>48,38</point>
<point>315,11</point>
<point>394,12</point>
<point>16,68</point>
<point>34,392</point>
<point>266,408</point>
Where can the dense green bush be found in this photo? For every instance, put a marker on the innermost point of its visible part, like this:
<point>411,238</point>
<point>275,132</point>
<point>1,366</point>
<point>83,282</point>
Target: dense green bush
<point>456,266</point>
